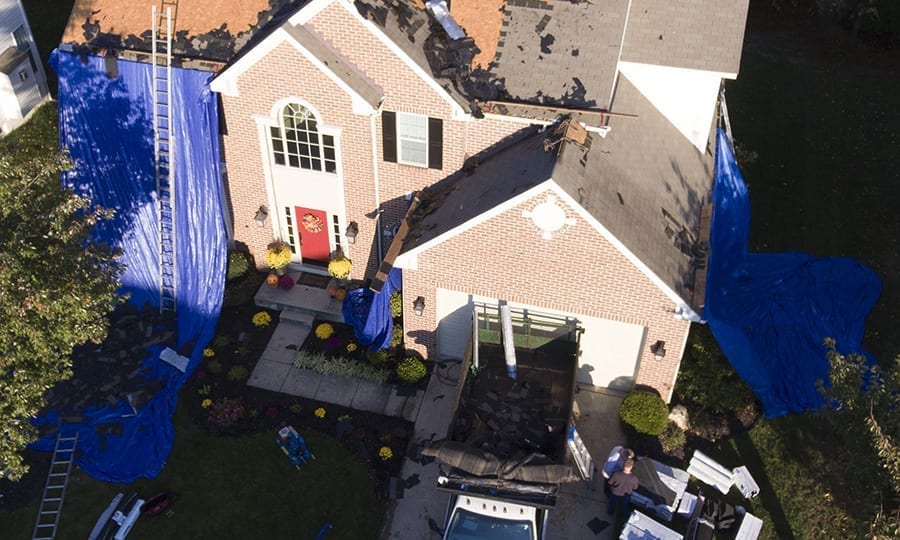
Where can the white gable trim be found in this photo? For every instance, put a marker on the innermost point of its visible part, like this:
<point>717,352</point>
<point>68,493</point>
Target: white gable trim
<point>457,112</point>
<point>474,222</point>
<point>226,82</point>
<point>682,310</point>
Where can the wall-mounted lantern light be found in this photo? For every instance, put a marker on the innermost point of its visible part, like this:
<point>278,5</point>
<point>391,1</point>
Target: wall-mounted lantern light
<point>658,349</point>
<point>351,232</point>
<point>419,305</point>
<point>261,216</point>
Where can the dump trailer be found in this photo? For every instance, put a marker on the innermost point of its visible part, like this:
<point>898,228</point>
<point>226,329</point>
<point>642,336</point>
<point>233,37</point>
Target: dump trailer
<point>512,441</point>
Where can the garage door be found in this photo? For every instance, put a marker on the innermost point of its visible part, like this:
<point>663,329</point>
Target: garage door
<point>609,349</point>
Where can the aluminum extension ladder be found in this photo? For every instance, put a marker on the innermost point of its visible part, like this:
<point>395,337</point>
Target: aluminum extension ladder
<point>55,488</point>
<point>164,152</point>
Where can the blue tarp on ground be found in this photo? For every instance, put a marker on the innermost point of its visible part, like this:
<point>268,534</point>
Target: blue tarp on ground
<point>369,313</point>
<point>771,312</point>
<point>106,124</point>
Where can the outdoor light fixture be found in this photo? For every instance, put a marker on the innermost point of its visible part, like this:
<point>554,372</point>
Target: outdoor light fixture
<point>351,232</point>
<point>419,305</point>
<point>659,349</point>
<point>261,216</point>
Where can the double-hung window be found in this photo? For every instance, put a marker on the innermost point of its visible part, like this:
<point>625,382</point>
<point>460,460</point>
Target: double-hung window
<point>412,139</point>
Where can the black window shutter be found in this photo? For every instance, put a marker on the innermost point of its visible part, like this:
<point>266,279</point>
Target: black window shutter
<point>389,135</point>
<point>435,143</point>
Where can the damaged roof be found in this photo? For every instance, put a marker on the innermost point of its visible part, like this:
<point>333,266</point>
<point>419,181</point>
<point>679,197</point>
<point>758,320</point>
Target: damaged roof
<point>485,182</point>
<point>213,30</point>
<point>643,182</point>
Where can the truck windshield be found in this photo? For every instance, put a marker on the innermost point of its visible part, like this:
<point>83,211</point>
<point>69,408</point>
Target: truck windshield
<point>471,526</point>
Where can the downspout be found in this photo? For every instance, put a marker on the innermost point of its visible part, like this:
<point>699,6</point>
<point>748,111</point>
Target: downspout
<point>619,58</point>
<point>509,344</point>
<point>375,177</point>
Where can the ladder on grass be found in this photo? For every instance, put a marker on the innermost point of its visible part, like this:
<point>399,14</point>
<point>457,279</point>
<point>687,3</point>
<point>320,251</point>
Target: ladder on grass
<point>55,488</point>
<point>164,151</point>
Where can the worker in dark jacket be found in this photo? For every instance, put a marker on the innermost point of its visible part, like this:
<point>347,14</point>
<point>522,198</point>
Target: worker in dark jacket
<point>622,483</point>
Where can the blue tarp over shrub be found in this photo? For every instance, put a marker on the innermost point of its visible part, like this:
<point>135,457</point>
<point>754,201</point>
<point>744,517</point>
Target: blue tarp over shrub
<point>771,312</point>
<point>369,313</point>
<point>106,125</point>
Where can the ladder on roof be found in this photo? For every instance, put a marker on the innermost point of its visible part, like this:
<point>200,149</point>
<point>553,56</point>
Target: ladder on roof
<point>164,152</point>
<point>55,489</point>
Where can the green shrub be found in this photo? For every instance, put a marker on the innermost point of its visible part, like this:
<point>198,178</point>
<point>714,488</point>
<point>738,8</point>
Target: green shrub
<point>221,341</point>
<point>707,384</point>
<point>242,291</point>
<point>238,373</point>
<point>396,304</point>
<point>672,437</point>
<point>411,369</point>
<point>296,408</point>
<point>238,264</point>
<point>378,358</point>
<point>644,412</point>
<point>397,336</point>
<point>214,367</point>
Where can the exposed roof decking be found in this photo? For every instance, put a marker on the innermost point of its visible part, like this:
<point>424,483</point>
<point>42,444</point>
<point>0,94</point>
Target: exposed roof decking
<point>204,29</point>
<point>694,34</point>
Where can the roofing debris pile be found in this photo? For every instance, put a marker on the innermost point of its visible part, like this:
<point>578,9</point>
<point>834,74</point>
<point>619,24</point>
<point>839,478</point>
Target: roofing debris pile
<point>113,370</point>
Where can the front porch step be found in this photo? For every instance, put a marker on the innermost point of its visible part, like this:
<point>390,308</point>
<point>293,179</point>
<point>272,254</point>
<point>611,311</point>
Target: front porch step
<point>298,302</point>
<point>300,318</point>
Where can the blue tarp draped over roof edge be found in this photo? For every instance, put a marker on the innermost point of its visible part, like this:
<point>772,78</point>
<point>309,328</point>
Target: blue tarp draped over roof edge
<point>106,126</point>
<point>771,312</point>
<point>369,313</point>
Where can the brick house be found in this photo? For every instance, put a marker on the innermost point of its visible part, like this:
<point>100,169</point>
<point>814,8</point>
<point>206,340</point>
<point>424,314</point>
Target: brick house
<point>551,154</point>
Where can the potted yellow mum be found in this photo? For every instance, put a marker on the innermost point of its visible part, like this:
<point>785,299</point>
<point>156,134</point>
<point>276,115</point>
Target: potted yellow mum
<point>278,256</point>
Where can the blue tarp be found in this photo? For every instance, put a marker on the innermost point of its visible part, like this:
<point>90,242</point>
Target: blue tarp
<point>106,125</point>
<point>369,313</point>
<point>771,312</point>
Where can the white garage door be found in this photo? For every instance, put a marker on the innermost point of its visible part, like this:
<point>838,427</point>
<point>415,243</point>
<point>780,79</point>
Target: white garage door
<point>609,349</point>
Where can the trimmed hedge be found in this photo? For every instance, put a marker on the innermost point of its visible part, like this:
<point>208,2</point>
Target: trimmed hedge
<point>644,412</point>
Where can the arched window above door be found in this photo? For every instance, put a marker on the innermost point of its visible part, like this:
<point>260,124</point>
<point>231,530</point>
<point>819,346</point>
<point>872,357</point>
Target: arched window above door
<point>297,142</point>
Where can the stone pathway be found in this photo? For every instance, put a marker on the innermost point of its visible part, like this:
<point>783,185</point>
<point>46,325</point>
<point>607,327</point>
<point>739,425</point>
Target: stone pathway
<point>275,371</point>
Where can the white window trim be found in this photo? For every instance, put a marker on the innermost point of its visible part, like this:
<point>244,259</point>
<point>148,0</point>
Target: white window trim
<point>400,159</point>
<point>277,120</point>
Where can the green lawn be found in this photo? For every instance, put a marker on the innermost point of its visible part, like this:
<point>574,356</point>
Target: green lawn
<point>232,487</point>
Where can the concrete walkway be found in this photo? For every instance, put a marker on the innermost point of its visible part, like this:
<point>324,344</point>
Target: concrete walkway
<point>419,508</point>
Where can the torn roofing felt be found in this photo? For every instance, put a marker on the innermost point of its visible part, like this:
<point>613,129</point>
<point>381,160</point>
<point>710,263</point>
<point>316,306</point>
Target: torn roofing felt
<point>213,30</point>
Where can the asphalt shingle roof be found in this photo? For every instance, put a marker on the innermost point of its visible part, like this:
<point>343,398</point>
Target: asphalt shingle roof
<point>694,34</point>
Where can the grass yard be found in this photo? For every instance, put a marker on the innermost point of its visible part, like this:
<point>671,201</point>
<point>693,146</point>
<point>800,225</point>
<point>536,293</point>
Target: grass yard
<point>232,487</point>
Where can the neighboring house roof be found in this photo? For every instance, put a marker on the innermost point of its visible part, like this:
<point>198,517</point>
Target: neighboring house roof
<point>213,30</point>
<point>695,34</point>
<point>643,183</point>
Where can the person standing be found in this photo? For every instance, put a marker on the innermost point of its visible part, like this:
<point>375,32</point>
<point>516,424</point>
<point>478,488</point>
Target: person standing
<point>621,484</point>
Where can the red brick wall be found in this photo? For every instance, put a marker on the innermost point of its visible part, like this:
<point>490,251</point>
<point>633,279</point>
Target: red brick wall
<point>578,271</point>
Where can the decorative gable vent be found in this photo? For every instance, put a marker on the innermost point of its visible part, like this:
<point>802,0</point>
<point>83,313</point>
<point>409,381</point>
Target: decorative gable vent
<point>549,217</point>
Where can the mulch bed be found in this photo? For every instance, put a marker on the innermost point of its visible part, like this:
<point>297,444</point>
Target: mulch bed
<point>237,347</point>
